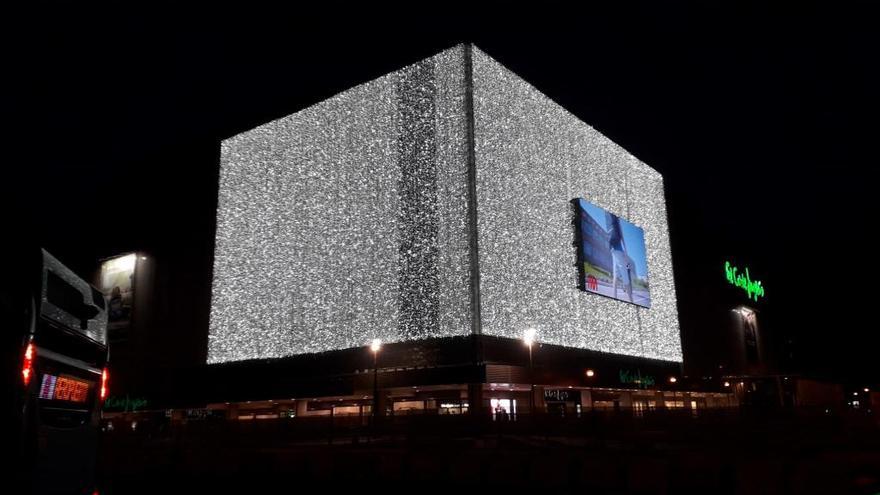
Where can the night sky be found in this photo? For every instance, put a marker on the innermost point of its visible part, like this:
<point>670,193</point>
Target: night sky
<point>762,122</point>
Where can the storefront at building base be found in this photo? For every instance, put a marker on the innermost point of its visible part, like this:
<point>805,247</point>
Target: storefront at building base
<point>477,375</point>
<point>498,400</point>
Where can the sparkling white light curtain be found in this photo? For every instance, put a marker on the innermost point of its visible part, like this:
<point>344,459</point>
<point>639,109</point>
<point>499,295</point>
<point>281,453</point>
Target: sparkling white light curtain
<point>348,221</point>
<point>532,158</point>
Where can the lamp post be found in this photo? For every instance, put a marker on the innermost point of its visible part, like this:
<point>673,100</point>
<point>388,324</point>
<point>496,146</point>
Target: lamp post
<point>375,346</point>
<point>672,381</point>
<point>528,340</point>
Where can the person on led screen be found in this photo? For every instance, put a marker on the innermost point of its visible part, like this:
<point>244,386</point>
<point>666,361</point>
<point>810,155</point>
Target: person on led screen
<point>614,258</point>
<point>621,263</point>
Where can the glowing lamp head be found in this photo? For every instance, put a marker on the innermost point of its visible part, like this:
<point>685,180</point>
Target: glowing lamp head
<point>529,336</point>
<point>672,379</point>
<point>591,373</point>
<point>375,345</point>
<point>867,390</point>
<point>726,384</point>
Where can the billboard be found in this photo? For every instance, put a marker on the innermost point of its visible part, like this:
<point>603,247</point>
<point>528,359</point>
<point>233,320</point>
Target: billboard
<point>612,255</point>
<point>117,284</point>
<point>750,333</point>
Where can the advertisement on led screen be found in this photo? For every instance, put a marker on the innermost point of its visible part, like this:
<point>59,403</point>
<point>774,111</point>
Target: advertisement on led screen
<point>117,284</point>
<point>612,254</point>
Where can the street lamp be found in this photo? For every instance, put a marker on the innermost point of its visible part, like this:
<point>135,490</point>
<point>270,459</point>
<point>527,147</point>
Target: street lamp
<point>672,381</point>
<point>591,373</point>
<point>375,346</point>
<point>528,340</point>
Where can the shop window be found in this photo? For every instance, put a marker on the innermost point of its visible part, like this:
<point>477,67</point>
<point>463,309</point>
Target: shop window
<point>346,411</point>
<point>453,408</point>
<point>642,405</point>
<point>502,408</point>
<point>409,405</point>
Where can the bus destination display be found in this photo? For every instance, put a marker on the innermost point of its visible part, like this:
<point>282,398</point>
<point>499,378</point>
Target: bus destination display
<point>64,388</point>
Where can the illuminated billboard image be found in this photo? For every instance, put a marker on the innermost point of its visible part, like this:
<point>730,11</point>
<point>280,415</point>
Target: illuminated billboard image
<point>116,282</point>
<point>612,252</point>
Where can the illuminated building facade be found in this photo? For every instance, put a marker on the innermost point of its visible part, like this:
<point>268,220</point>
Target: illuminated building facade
<point>431,202</point>
<point>431,208</point>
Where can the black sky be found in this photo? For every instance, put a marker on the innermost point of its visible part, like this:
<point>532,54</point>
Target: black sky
<point>762,121</point>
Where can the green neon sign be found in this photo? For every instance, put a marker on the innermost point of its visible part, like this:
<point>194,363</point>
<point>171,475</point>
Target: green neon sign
<point>754,289</point>
<point>126,403</point>
<point>637,378</point>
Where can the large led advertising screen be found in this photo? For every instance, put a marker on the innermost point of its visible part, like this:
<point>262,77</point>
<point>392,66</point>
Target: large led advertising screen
<point>612,255</point>
<point>117,284</point>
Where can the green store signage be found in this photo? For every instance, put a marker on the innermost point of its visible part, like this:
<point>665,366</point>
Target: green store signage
<point>754,289</point>
<point>125,404</point>
<point>629,378</point>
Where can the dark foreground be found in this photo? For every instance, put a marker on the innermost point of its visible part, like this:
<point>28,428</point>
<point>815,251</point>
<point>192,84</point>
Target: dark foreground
<point>716,452</point>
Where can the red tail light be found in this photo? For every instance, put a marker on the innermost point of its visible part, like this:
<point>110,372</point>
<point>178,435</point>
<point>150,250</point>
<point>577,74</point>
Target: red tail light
<point>27,367</point>
<point>105,377</point>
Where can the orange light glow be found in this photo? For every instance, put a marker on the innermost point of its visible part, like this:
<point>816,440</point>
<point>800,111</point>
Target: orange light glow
<point>71,390</point>
<point>105,377</point>
<point>27,368</point>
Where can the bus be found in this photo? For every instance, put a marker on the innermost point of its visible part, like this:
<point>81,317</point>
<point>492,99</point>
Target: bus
<point>54,330</point>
